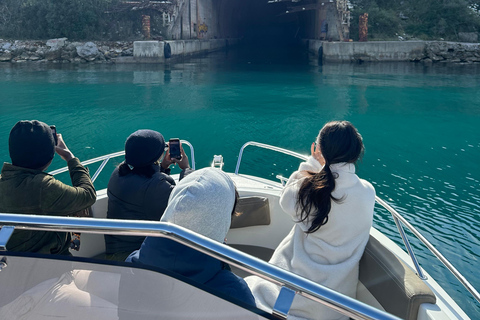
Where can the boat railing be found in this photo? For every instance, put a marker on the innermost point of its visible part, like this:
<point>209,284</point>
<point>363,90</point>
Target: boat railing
<point>399,220</point>
<point>291,284</point>
<point>107,157</point>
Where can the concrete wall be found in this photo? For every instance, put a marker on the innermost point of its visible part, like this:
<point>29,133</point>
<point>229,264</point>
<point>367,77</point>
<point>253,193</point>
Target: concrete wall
<point>220,19</point>
<point>206,19</point>
<point>334,23</point>
<point>384,51</point>
<point>153,51</point>
<point>148,51</point>
<point>368,51</point>
<point>312,21</point>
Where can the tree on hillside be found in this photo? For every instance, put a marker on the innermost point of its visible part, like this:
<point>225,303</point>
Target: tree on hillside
<point>40,19</point>
<point>424,19</point>
<point>444,18</point>
<point>382,23</point>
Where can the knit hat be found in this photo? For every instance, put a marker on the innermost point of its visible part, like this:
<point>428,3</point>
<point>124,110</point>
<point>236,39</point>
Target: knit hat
<point>31,144</point>
<point>143,148</point>
<point>203,202</point>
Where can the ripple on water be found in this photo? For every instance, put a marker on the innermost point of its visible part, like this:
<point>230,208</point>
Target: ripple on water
<point>218,105</point>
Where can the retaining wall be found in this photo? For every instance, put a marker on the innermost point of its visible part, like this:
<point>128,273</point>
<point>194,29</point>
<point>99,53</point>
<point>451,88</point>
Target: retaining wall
<point>368,51</point>
<point>394,51</point>
<point>157,51</point>
<point>61,50</point>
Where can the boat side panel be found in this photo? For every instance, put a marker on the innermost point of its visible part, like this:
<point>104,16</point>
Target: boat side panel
<point>49,288</point>
<point>446,307</point>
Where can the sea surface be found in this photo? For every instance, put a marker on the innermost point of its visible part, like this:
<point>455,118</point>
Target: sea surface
<point>420,125</point>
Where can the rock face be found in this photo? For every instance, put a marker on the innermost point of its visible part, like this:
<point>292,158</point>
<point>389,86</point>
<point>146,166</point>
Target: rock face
<point>62,50</point>
<point>88,51</point>
<point>457,52</point>
<point>56,44</point>
<point>6,56</point>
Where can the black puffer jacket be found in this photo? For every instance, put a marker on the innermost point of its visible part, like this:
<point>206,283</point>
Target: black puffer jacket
<point>135,197</point>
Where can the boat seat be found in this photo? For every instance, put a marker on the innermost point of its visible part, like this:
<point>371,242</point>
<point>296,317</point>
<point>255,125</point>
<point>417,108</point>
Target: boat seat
<point>393,284</point>
<point>252,211</point>
<point>259,252</point>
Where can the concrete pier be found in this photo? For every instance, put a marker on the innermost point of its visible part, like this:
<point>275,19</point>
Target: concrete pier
<point>396,51</point>
<point>148,51</point>
<point>387,51</point>
<point>160,51</point>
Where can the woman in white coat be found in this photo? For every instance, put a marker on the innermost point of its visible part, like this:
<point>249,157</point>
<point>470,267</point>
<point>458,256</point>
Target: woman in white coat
<point>333,211</point>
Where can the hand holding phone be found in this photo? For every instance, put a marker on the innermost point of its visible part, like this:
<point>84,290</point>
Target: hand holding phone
<point>174,149</point>
<point>62,149</point>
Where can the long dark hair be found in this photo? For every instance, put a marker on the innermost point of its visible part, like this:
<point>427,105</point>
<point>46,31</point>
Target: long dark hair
<point>339,141</point>
<point>146,171</point>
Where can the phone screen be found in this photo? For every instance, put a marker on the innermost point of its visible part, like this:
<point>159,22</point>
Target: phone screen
<point>174,146</point>
<point>54,133</point>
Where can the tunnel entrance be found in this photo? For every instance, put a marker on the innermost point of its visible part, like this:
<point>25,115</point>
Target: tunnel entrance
<point>260,20</point>
<point>269,35</point>
<point>270,23</point>
<point>267,24</point>
<point>264,23</point>
<point>268,29</point>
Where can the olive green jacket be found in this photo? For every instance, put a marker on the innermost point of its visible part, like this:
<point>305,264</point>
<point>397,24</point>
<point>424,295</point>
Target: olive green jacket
<point>31,191</point>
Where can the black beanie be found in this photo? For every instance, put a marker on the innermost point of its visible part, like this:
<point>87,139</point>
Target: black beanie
<point>31,144</point>
<point>143,148</point>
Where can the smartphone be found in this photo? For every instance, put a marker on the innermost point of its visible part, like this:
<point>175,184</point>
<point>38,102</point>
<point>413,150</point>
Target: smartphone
<point>174,148</point>
<point>54,133</point>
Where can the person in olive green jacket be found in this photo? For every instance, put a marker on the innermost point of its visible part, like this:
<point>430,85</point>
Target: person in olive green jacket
<point>26,188</point>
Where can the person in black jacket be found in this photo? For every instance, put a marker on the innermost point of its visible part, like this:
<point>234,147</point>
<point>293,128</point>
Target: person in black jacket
<point>139,187</point>
<point>204,202</point>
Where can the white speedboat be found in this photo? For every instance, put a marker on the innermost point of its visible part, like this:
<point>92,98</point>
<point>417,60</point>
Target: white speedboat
<point>392,283</point>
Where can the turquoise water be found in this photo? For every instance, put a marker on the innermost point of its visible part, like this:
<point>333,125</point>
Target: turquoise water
<point>421,127</point>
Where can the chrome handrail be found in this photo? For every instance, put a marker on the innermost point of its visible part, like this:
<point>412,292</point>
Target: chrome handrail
<point>266,146</point>
<point>302,286</point>
<point>432,249</point>
<point>397,217</point>
<point>107,157</point>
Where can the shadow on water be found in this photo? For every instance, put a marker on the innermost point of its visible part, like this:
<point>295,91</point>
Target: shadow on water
<point>269,52</point>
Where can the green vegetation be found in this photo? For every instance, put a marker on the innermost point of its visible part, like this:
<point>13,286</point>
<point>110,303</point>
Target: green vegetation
<point>88,19</point>
<point>74,19</point>
<point>419,19</point>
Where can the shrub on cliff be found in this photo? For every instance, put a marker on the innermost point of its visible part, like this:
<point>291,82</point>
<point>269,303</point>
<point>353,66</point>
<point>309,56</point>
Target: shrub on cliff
<point>424,19</point>
<point>42,19</point>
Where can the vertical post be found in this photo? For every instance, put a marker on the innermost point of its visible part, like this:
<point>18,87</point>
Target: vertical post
<point>190,19</point>
<point>5,234</point>
<point>197,21</point>
<point>283,303</point>
<point>363,27</point>
<point>146,27</point>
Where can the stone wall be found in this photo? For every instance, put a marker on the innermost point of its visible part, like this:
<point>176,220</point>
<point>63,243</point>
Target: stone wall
<point>63,51</point>
<point>457,52</point>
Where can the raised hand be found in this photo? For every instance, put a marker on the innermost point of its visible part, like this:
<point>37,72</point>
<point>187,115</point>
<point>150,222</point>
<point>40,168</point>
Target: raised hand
<point>183,162</point>
<point>167,161</point>
<point>62,149</point>
<point>317,154</point>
